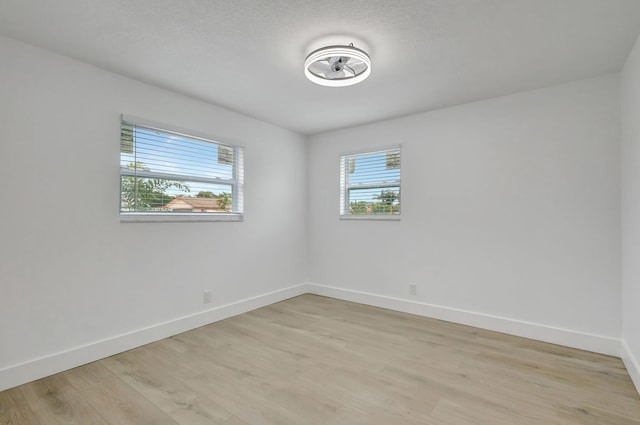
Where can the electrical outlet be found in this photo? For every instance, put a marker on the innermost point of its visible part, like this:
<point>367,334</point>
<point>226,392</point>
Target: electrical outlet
<point>207,296</point>
<point>413,289</point>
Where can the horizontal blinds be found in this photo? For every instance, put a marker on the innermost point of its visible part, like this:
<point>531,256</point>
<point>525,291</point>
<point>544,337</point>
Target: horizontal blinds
<point>167,172</point>
<point>370,182</point>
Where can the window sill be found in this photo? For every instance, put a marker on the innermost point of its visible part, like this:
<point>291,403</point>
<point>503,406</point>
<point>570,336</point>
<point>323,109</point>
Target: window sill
<point>373,217</point>
<point>177,217</point>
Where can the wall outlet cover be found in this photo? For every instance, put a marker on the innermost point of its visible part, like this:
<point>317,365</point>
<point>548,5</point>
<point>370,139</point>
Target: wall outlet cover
<point>207,296</point>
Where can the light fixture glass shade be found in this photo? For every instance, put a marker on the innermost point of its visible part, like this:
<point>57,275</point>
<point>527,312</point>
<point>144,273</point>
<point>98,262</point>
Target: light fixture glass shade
<point>337,66</point>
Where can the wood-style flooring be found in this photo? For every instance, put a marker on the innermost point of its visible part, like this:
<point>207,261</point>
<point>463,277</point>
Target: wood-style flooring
<point>312,360</point>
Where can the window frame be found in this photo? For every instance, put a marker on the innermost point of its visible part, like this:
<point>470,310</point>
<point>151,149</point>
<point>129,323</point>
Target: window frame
<point>236,182</point>
<point>345,187</point>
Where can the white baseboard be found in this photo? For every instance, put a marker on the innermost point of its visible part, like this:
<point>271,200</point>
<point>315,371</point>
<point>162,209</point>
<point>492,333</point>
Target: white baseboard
<point>632,365</point>
<point>30,370</point>
<point>566,337</point>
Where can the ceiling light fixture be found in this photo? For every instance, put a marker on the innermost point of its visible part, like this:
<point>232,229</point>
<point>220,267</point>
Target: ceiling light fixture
<point>337,66</point>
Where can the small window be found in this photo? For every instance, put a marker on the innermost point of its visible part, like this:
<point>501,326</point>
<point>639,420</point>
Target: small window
<point>169,175</point>
<point>370,184</point>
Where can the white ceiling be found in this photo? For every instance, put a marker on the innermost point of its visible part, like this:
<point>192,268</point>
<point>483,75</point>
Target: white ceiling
<point>248,55</point>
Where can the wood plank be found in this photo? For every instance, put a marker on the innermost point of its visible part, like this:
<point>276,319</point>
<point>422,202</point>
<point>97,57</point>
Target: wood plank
<point>56,401</point>
<point>171,395</point>
<point>15,409</point>
<point>116,401</point>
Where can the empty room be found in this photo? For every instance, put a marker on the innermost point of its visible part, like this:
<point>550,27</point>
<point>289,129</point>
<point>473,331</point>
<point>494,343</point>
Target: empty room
<point>289,212</point>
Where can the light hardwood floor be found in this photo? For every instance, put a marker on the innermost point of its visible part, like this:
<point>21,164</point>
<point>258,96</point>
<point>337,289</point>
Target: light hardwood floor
<point>314,360</point>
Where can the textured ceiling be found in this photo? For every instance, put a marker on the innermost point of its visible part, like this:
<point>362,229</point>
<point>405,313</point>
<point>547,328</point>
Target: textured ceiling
<point>248,55</point>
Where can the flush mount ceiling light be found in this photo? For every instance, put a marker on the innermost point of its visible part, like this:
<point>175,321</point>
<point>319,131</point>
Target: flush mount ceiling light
<point>337,66</point>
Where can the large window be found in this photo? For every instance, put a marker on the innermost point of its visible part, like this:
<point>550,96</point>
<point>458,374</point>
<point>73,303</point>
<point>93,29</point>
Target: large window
<point>370,184</point>
<point>168,175</point>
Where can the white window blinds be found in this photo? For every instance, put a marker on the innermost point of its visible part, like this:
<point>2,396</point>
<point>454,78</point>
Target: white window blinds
<point>370,184</point>
<point>169,173</point>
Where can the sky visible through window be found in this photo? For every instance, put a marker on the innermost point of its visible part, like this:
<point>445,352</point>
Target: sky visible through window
<point>182,157</point>
<point>371,169</point>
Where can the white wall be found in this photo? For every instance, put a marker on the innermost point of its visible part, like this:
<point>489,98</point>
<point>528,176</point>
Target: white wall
<point>510,208</point>
<point>70,272</point>
<point>630,94</point>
